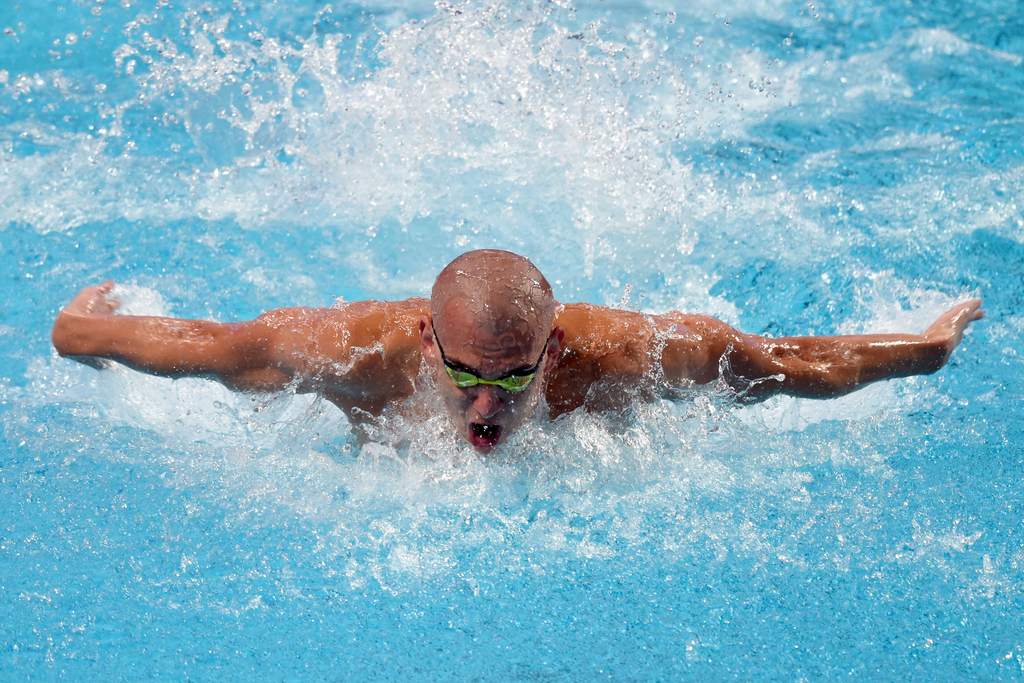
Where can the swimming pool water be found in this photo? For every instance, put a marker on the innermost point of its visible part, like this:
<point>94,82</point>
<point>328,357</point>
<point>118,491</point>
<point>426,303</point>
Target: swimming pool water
<point>792,168</point>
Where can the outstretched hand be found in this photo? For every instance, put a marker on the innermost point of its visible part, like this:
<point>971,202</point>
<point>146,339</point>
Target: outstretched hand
<point>92,301</point>
<point>948,330</point>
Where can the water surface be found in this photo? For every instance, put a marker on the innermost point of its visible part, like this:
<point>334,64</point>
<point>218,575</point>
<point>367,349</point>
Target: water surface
<point>792,168</point>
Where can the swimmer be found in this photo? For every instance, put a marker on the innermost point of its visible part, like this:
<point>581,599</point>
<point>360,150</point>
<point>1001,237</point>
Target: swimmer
<point>495,341</point>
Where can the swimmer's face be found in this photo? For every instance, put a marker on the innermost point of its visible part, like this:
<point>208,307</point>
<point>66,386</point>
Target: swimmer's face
<point>485,414</point>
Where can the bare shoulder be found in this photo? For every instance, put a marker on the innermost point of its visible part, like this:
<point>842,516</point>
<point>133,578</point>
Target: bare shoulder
<point>358,324</point>
<point>600,329</point>
<point>360,355</point>
<point>591,329</point>
<point>616,349</point>
<point>610,355</point>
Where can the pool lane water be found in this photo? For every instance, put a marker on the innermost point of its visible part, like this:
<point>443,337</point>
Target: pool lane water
<point>790,168</point>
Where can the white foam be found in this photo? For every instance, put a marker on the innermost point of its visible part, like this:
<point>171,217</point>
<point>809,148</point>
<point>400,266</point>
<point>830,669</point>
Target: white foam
<point>931,41</point>
<point>493,116</point>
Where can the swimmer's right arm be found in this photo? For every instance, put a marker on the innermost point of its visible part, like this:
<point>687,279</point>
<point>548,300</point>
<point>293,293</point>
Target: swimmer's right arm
<point>263,354</point>
<point>363,355</point>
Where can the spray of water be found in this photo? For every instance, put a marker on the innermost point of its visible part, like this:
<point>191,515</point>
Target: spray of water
<point>487,120</point>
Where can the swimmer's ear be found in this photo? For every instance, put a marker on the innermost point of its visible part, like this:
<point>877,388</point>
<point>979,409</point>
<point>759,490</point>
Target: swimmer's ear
<point>554,348</point>
<point>427,345</point>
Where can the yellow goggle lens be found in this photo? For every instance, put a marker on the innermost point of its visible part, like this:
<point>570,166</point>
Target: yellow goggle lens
<point>514,383</point>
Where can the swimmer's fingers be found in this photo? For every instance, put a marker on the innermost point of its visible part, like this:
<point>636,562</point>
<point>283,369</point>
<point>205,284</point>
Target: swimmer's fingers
<point>93,300</point>
<point>950,326</point>
<point>971,309</point>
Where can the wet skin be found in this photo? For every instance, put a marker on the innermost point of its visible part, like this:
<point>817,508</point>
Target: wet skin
<point>367,356</point>
<point>485,414</point>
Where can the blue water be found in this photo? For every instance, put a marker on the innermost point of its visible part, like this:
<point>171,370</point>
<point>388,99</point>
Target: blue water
<point>792,168</point>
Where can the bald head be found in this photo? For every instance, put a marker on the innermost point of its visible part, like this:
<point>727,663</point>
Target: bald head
<point>499,291</point>
<point>490,342</point>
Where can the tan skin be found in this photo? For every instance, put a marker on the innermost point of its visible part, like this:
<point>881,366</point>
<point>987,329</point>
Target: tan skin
<point>367,356</point>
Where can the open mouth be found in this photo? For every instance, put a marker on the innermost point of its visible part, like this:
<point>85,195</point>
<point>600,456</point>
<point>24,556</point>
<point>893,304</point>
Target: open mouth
<point>484,435</point>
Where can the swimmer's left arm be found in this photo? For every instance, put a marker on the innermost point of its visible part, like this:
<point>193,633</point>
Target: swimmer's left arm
<point>813,367</point>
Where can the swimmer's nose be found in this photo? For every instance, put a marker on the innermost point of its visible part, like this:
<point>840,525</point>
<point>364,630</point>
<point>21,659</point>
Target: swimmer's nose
<point>487,401</point>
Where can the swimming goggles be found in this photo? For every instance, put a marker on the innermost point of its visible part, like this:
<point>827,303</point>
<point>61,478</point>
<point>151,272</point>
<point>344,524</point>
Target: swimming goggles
<point>462,377</point>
